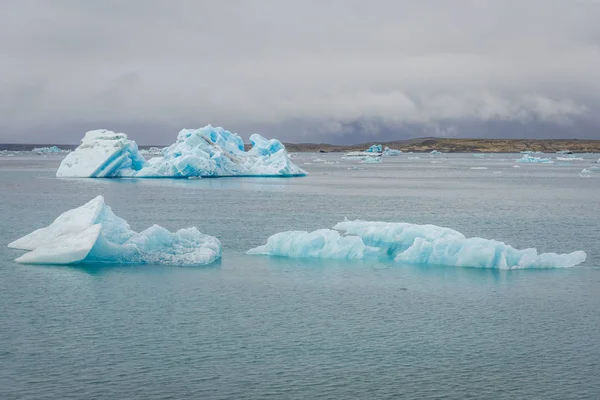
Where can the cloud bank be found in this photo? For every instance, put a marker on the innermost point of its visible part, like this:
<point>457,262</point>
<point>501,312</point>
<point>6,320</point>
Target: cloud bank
<point>327,71</point>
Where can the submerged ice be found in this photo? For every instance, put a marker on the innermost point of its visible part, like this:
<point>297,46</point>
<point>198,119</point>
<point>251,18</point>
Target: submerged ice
<point>204,152</point>
<point>410,244</point>
<point>93,233</point>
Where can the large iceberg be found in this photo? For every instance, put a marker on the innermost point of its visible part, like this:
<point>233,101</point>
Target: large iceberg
<point>93,233</point>
<point>411,244</point>
<point>527,158</point>
<point>204,152</point>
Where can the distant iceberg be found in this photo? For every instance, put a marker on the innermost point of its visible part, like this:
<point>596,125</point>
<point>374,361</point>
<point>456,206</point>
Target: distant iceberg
<point>371,160</point>
<point>93,233</point>
<point>410,244</point>
<point>49,150</point>
<point>527,158</point>
<point>435,153</point>
<point>204,152</point>
<point>391,152</point>
<point>376,148</point>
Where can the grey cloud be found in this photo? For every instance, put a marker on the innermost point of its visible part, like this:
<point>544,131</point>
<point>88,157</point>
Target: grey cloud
<point>299,70</point>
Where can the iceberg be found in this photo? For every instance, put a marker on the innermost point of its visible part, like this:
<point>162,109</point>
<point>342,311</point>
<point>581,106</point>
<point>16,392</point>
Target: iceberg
<point>527,158</point>
<point>371,160</point>
<point>376,148</point>
<point>410,244</point>
<point>391,152</point>
<point>48,150</point>
<point>435,153</point>
<point>93,233</point>
<point>323,243</point>
<point>102,154</point>
<point>204,152</point>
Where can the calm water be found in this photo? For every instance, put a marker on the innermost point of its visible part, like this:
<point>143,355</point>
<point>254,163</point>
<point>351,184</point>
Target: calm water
<point>256,328</point>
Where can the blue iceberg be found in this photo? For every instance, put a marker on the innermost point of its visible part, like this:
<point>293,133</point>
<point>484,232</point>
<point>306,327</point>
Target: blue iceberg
<point>527,158</point>
<point>376,148</point>
<point>204,152</point>
<point>435,153</point>
<point>93,233</point>
<point>411,244</point>
<point>371,160</point>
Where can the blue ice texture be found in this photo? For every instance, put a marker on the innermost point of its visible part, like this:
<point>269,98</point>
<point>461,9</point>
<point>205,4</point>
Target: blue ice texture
<point>93,233</point>
<point>376,148</point>
<point>406,243</point>
<point>49,150</point>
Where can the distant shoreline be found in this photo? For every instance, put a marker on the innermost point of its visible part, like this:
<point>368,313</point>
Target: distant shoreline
<point>420,145</point>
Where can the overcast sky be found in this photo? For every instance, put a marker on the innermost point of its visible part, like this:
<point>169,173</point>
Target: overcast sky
<point>325,71</point>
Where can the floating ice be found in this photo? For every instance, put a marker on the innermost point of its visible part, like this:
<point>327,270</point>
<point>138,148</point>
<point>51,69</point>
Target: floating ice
<point>46,150</point>
<point>532,152</point>
<point>376,148</point>
<point>569,158</point>
<point>205,152</point>
<point>371,160</point>
<point>152,151</point>
<point>102,154</point>
<point>93,233</point>
<point>531,159</point>
<point>435,153</point>
<point>479,155</point>
<point>391,152</point>
<point>323,243</point>
<point>478,168</point>
<point>411,244</point>
<point>585,173</point>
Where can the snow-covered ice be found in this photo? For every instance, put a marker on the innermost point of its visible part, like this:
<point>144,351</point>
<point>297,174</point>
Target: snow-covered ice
<point>527,158</point>
<point>93,233</point>
<point>410,244</point>
<point>205,152</point>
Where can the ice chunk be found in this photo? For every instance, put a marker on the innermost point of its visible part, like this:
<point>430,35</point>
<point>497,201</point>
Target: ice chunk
<point>478,168</point>
<point>102,154</point>
<point>412,244</point>
<point>371,160</point>
<point>585,173</point>
<point>203,152</point>
<point>376,148</point>
<point>46,150</point>
<point>391,152</point>
<point>93,233</point>
<point>526,158</point>
<point>435,153</point>
<point>479,155</point>
<point>323,243</point>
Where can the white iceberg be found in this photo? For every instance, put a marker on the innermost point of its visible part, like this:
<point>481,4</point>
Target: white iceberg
<point>410,244</point>
<point>204,152</point>
<point>93,233</point>
<point>49,150</point>
<point>391,152</point>
<point>102,154</point>
<point>371,160</point>
<point>527,158</point>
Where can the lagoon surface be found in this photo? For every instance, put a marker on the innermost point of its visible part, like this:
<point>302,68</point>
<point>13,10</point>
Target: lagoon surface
<point>252,327</point>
